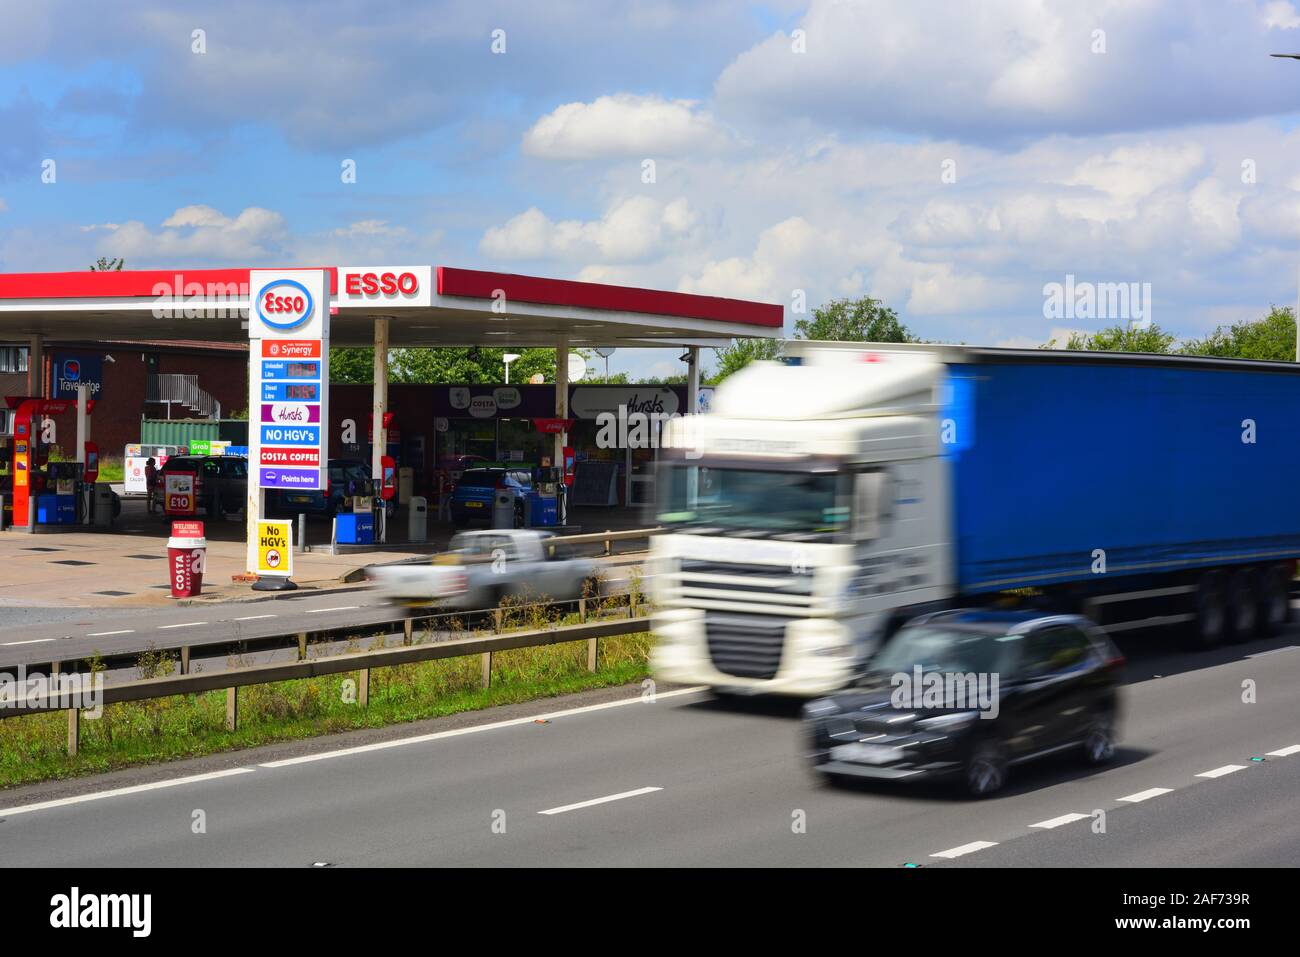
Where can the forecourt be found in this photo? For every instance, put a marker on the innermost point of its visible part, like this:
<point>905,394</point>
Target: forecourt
<point>307,310</point>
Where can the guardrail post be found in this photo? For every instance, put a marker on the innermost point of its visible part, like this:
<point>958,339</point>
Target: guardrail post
<point>608,544</point>
<point>232,709</point>
<point>74,731</point>
<point>582,610</point>
<point>408,626</point>
<point>593,648</point>
<point>487,670</point>
<point>185,659</point>
<point>302,645</point>
<point>496,620</point>
<point>55,668</point>
<point>363,687</point>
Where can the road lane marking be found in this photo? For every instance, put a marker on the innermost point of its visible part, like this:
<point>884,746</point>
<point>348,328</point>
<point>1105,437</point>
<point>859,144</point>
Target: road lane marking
<point>605,800</point>
<point>254,617</point>
<point>1058,821</point>
<point>30,641</point>
<point>317,611</point>
<point>102,634</point>
<point>1285,752</point>
<point>184,624</point>
<point>119,792</point>
<point>1145,795</point>
<point>1220,772</point>
<point>513,722</point>
<point>970,848</point>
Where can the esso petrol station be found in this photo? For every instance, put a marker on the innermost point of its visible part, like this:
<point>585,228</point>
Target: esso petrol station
<point>290,318</point>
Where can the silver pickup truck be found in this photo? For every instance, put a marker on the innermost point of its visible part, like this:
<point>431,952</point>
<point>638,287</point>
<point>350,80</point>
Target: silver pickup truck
<point>483,567</point>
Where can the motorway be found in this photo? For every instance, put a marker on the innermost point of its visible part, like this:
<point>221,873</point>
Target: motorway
<point>608,779</point>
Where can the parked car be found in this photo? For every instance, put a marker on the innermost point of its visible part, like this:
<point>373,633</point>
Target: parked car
<point>1057,689</point>
<point>483,567</point>
<point>329,502</point>
<point>220,484</point>
<point>472,499</point>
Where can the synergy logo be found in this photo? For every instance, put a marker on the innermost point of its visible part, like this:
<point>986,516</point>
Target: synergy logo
<point>284,304</point>
<point>72,370</point>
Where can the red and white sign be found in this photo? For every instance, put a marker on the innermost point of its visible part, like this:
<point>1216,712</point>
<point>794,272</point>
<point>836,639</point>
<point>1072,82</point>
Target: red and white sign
<point>290,348</point>
<point>178,493</point>
<point>301,458</point>
<point>187,529</point>
<point>389,285</point>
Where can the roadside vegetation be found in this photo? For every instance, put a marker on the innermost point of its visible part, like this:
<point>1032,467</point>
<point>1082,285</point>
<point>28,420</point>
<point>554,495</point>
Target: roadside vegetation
<point>33,747</point>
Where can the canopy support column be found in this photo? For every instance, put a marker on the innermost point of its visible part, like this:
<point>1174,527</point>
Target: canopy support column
<point>379,434</point>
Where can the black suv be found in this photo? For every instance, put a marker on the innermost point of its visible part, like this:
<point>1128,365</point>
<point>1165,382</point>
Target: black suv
<point>221,484</point>
<point>968,694</point>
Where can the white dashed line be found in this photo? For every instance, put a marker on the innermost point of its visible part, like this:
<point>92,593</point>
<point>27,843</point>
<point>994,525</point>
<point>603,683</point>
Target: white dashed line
<point>184,624</point>
<point>118,792</point>
<point>32,641</point>
<point>102,634</point>
<point>605,800</point>
<point>1058,821</point>
<point>1220,772</point>
<point>512,722</point>
<point>1285,752</point>
<point>317,611</point>
<point>1145,795</point>
<point>254,617</point>
<point>970,848</point>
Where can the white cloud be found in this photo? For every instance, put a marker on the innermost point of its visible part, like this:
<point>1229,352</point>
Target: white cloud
<point>1000,69</point>
<point>199,234</point>
<point>1280,15</point>
<point>623,125</point>
<point>634,228</point>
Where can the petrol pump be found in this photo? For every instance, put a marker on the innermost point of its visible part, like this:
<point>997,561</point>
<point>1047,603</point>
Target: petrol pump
<point>33,490</point>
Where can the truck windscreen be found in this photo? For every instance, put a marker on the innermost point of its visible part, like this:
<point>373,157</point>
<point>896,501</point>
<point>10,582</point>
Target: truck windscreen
<point>792,505</point>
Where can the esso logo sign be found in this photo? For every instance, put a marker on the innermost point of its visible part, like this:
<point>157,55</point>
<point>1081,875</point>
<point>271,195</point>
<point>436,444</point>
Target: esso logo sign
<point>381,283</point>
<point>285,304</point>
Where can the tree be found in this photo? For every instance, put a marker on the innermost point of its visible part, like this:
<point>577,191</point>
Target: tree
<point>1272,337</point>
<point>854,320</point>
<point>1120,338</point>
<point>474,365</point>
<point>108,265</point>
<point>352,366</point>
<point>741,353</point>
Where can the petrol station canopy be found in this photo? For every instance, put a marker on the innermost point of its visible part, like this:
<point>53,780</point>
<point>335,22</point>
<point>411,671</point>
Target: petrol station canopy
<point>425,306</point>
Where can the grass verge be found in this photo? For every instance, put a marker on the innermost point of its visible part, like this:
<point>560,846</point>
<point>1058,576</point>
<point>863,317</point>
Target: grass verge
<point>33,747</point>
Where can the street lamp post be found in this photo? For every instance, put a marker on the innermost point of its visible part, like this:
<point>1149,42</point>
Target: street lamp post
<point>1294,56</point>
<point>508,358</point>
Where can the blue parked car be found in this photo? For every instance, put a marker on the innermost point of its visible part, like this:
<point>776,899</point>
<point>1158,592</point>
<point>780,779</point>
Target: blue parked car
<point>472,499</point>
<point>342,474</point>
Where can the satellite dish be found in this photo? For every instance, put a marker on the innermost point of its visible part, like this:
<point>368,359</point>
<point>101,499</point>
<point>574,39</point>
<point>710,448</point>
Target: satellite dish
<point>604,351</point>
<point>577,367</point>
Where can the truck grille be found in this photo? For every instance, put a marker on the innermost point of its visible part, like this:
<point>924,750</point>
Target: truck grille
<point>747,646</point>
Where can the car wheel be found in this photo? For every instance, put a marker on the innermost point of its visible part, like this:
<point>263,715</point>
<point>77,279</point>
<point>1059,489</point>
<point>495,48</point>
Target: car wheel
<point>986,769</point>
<point>1274,599</point>
<point>1211,617</point>
<point>1099,742</point>
<point>519,517</point>
<point>1243,606</point>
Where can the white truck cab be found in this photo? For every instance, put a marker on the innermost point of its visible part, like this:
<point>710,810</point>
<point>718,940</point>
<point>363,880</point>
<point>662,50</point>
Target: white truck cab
<point>799,515</point>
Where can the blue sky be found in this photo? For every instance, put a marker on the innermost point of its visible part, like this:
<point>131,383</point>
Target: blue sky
<point>949,158</point>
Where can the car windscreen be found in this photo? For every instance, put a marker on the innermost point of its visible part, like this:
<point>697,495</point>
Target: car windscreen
<point>948,650</point>
<point>480,478</point>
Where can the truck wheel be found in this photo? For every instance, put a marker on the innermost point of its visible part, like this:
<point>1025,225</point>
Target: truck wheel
<point>1274,599</point>
<point>1243,606</point>
<point>1208,627</point>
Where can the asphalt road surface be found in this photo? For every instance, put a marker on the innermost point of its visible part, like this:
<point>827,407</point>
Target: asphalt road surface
<point>610,779</point>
